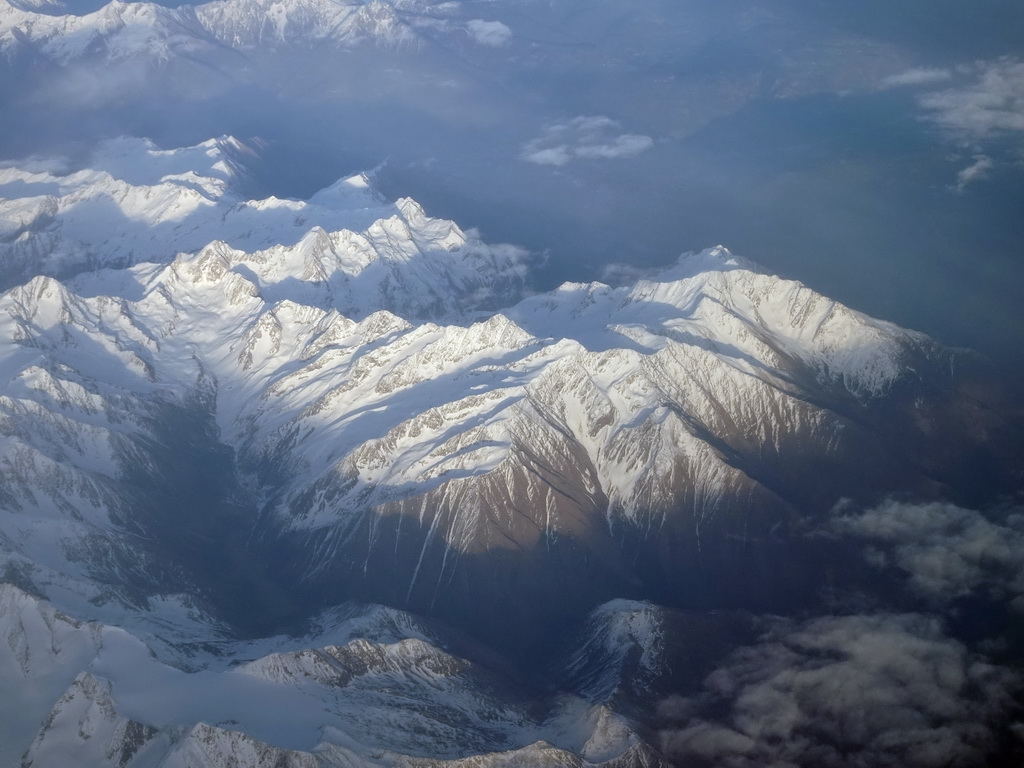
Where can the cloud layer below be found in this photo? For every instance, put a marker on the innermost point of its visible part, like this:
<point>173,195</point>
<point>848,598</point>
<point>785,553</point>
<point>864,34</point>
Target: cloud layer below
<point>976,103</point>
<point>946,551</point>
<point>992,102</point>
<point>880,690</point>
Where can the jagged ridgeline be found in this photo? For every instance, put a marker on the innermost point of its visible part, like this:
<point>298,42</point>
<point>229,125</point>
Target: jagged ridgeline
<point>342,414</point>
<point>234,415</point>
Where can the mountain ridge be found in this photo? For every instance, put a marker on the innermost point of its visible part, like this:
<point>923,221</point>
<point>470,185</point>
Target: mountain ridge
<point>220,445</point>
<point>388,704</point>
<point>123,31</point>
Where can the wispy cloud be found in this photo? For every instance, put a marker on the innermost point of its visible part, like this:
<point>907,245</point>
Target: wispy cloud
<point>915,77</point>
<point>977,170</point>
<point>584,138</point>
<point>978,105</point>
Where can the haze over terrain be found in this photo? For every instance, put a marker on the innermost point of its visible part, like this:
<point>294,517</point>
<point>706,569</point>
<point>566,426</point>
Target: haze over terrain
<point>871,151</point>
<point>561,383</point>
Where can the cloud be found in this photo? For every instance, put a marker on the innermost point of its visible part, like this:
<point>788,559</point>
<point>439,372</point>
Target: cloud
<point>915,77</point>
<point>492,33</point>
<point>80,86</point>
<point>626,145</point>
<point>992,103</point>
<point>881,690</point>
<point>557,156</point>
<point>584,138</point>
<point>977,170</point>
<point>947,552</point>
<point>977,105</point>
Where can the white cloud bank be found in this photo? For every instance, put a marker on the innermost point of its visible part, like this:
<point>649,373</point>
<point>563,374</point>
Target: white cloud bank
<point>839,692</point>
<point>946,551</point>
<point>584,138</point>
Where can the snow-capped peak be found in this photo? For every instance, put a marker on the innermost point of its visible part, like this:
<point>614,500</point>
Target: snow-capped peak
<point>133,30</point>
<point>140,162</point>
<point>344,245</point>
<point>283,397</point>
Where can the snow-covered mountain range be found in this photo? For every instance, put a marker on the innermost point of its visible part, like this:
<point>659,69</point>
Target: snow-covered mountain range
<point>136,203</point>
<point>379,691</point>
<point>120,30</point>
<point>224,420</point>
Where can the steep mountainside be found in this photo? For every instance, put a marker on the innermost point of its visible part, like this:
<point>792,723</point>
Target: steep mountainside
<point>270,409</point>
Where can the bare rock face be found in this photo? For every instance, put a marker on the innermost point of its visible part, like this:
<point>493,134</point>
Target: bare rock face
<point>84,728</point>
<point>206,745</point>
<point>343,400</point>
<point>660,439</point>
<point>361,703</point>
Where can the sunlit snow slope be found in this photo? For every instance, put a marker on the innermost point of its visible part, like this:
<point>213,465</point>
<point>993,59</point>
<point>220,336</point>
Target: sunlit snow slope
<point>260,410</point>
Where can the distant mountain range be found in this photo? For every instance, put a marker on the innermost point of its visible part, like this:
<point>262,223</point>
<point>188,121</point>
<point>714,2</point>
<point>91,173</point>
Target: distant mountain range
<point>132,30</point>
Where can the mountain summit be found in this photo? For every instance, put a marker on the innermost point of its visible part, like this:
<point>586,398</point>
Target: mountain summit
<point>240,420</point>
